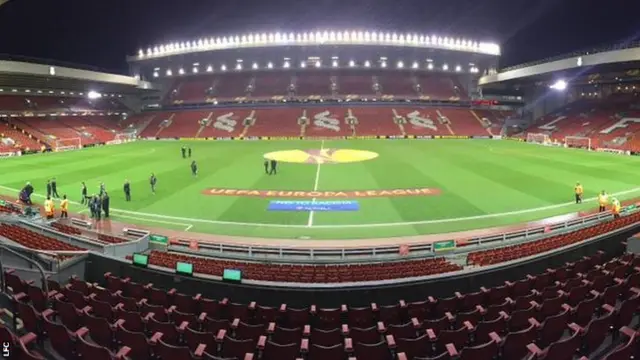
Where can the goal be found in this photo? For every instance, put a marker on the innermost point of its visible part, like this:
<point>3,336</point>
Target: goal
<point>538,138</point>
<point>577,142</point>
<point>123,138</point>
<point>68,144</point>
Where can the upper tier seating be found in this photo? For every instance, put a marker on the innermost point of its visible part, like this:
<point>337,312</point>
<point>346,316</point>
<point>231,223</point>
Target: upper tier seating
<point>54,103</point>
<point>268,85</point>
<point>556,315</point>
<point>397,84</point>
<point>313,84</point>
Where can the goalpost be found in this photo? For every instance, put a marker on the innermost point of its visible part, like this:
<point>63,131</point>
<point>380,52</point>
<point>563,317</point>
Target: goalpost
<point>538,138</point>
<point>122,138</point>
<point>577,142</point>
<point>68,144</point>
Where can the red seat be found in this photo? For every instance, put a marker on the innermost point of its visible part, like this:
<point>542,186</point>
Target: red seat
<point>88,351</point>
<point>136,341</point>
<point>486,351</point>
<point>274,351</point>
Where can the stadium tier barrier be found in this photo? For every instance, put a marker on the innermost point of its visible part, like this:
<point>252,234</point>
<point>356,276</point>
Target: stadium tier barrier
<point>249,138</point>
<point>301,254</point>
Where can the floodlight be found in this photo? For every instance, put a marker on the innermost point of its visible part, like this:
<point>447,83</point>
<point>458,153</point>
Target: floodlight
<point>181,71</point>
<point>169,72</point>
<point>291,37</point>
<point>148,51</point>
<point>140,53</point>
<point>430,66</point>
<point>223,67</point>
<point>458,68</point>
<point>334,63</point>
<point>155,74</point>
<point>209,68</point>
<point>445,67</point>
<point>94,95</point>
<point>367,63</point>
<point>271,38</point>
<point>415,65</point>
<point>238,66</point>
<point>286,65</point>
<point>195,70</point>
<point>270,65</point>
<point>303,64</point>
<point>400,65</point>
<point>318,63</point>
<point>352,63</point>
<point>360,36</point>
<point>559,85</point>
<point>383,64</point>
<point>254,66</point>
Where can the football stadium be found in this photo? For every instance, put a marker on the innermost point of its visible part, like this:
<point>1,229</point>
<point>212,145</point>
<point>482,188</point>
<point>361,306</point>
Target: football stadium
<point>331,194</point>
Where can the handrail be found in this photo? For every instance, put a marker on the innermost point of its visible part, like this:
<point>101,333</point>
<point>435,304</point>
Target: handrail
<point>299,254</point>
<point>45,287</point>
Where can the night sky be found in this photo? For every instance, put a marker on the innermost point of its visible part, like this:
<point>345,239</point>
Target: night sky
<point>101,33</point>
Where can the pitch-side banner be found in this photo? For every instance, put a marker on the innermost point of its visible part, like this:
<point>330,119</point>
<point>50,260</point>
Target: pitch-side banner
<point>391,137</point>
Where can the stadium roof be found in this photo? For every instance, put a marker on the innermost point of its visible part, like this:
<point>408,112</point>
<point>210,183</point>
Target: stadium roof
<point>334,38</point>
<point>41,75</point>
<point>574,66</point>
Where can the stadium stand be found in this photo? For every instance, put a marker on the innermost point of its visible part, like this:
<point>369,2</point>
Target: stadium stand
<point>559,313</point>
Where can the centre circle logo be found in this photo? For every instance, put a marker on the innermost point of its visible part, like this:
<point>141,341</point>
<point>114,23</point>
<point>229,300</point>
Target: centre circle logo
<point>321,156</point>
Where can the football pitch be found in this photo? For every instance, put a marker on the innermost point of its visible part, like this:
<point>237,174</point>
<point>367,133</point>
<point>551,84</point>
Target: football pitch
<point>402,187</point>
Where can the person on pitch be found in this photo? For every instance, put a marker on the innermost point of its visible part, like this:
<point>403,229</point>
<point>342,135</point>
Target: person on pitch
<point>266,166</point>
<point>85,199</point>
<point>274,168</point>
<point>153,181</point>
<point>194,168</point>
<point>49,189</point>
<point>603,200</point>
<point>184,152</point>
<point>189,151</point>
<point>615,208</point>
<point>49,208</point>
<point>103,189</point>
<point>579,191</point>
<point>64,207</point>
<point>54,188</point>
<point>105,204</point>
<point>127,190</point>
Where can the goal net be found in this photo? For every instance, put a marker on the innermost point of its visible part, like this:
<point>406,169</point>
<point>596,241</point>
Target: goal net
<point>538,138</point>
<point>123,138</point>
<point>577,142</point>
<point>68,144</point>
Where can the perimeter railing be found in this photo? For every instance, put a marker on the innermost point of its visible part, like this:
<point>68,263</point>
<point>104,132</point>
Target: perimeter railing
<point>451,247</point>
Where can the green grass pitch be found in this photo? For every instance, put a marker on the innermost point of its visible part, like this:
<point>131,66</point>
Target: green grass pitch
<point>484,183</point>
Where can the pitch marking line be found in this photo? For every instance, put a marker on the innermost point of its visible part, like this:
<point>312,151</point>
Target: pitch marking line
<point>424,222</point>
<point>186,226</point>
<point>315,186</point>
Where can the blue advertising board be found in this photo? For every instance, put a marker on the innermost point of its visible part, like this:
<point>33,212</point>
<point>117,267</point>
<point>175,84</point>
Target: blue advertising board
<point>288,205</point>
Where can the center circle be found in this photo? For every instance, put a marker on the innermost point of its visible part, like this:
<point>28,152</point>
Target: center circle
<point>321,156</point>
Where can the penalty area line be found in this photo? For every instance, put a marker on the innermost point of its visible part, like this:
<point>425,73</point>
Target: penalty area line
<point>187,227</point>
<point>346,226</point>
<point>315,186</point>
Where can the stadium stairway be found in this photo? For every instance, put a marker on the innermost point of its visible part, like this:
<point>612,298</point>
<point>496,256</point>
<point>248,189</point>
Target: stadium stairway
<point>227,123</point>
<point>482,123</point>
<point>464,123</point>
<point>204,123</point>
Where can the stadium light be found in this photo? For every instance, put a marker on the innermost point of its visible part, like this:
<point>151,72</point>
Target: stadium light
<point>94,95</point>
<point>238,66</point>
<point>155,74</point>
<point>223,67</point>
<point>400,64</point>
<point>367,64</point>
<point>415,65</point>
<point>318,63</point>
<point>458,68</point>
<point>352,63</point>
<point>209,68</point>
<point>254,66</point>
<point>430,66</point>
<point>559,85</point>
<point>181,71</point>
<point>334,63</point>
<point>195,70</point>
<point>270,65</point>
<point>140,53</point>
<point>286,65</point>
<point>383,64</point>
<point>169,72</point>
<point>303,64</point>
<point>445,67</point>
